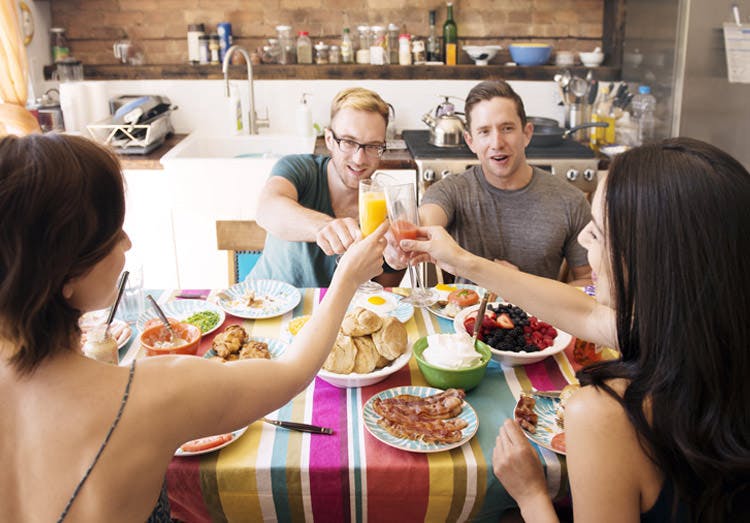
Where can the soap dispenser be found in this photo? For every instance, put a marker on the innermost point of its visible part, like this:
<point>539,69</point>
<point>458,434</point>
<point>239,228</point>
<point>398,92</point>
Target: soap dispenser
<point>235,111</point>
<point>304,117</point>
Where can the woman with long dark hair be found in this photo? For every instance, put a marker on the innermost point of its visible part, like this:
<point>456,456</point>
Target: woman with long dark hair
<point>663,433</point>
<point>83,439</point>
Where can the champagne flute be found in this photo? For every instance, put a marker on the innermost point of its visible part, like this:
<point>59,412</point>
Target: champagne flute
<point>372,212</point>
<point>404,217</point>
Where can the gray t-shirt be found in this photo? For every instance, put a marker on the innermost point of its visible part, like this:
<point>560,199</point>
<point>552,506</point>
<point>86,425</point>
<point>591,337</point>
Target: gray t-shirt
<point>301,264</point>
<point>534,227</point>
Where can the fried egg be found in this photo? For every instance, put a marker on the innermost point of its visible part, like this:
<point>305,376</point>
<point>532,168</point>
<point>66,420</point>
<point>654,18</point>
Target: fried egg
<point>443,290</point>
<point>380,302</point>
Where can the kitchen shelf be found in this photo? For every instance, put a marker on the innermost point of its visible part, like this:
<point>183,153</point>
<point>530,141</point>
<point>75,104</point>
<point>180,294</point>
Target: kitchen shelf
<point>338,72</point>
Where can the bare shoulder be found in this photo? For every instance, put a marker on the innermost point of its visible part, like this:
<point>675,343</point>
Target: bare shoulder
<point>591,406</point>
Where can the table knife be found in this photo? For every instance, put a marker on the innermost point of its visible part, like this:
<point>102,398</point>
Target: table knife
<point>301,427</point>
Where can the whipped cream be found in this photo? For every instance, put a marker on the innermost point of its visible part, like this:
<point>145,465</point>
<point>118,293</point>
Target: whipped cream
<point>451,351</point>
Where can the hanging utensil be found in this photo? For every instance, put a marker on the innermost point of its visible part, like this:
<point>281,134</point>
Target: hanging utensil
<point>162,317</point>
<point>593,91</point>
<point>120,290</point>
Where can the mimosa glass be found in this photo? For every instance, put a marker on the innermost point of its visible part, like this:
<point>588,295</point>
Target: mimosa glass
<point>404,217</point>
<point>372,212</point>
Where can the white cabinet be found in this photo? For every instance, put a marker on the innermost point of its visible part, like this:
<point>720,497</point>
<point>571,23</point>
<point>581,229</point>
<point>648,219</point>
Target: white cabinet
<point>148,222</point>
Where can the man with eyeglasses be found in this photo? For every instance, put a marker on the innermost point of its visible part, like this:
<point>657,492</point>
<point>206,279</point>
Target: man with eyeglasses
<point>309,205</point>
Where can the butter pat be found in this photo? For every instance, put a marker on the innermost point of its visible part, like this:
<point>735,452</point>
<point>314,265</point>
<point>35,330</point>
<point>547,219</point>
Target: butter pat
<point>451,351</point>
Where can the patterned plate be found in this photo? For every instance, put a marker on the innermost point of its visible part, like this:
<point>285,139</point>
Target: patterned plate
<point>437,310</point>
<point>371,418</point>
<point>546,426</point>
<point>277,297</point>
<point>120,330</point>
<point>275,347</point>
<point>392,306</point>
<point>235,436</point>
<point>181,310</point>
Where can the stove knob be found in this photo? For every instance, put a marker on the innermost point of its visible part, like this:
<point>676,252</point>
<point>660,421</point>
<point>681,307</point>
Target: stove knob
<point>428,175</point>
<point>572,175</point>
<point>444,173</point>
<point>589,174</point>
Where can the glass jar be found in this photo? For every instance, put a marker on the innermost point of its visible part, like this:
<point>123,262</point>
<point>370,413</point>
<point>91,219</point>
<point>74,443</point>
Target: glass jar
<point>393,44</point>
<point>204,54</point>
<point>193,33</point>
<point>378,45</point>
<point>321,53</point>
<point>59,43</point>
<point>100,345</point>
<point>363,53</point>
<point>404,49</point>
<point>334,55</point>
<point>288,54</point>
<point>304,48</point>
<point>213,47</point>
<point>418,52</point>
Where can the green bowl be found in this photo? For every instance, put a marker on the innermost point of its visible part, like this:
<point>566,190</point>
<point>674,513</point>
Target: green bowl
<point>442,378</point>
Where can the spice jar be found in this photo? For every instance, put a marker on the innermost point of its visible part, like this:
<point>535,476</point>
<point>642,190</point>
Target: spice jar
<point>194,32</point>
<point>304,48</point>
<point>334,55</point>
<point>363,53</point>
<point>321,53</point>
<point>59,42</point>
<point>204,54</point>
<point>288,50</point>
<point>404,49</point>
<point>393,44</point>
<point>213,47</point>
<point>378,45</point>
<point>418,52</point>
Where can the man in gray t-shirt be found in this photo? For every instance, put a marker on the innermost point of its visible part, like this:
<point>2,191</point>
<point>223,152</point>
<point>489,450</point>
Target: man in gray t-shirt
<point>503,209</point>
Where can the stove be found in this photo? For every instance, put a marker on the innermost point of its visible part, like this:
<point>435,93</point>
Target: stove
<point>571,160</point>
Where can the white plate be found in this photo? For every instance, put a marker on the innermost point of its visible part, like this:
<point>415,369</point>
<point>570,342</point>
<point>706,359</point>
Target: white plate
<point>562,340</point>
<point>275,347</point>
<point>278,298</point>
<point>393,305</point>
<point>120,330</point>
<point>181,310</point>
<point>371,418</point>
<point>354,380</point>
<point>546,426</point>
<point>614,150</point>
<point>437,310</point>
<point>235,436</point>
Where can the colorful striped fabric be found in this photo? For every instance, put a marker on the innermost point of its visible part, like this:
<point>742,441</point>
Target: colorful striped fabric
<point>271,474</point>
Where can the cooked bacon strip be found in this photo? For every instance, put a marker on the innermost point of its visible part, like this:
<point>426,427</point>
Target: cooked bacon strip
<point>435,435</point>
<point>525,415</point>
<point>425,423</point>
<point>443,405</point>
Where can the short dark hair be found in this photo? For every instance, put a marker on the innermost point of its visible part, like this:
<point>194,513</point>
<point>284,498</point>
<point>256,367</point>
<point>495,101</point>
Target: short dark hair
<point>677,219</point>
<point>488,90</point>
<point>62,206</point>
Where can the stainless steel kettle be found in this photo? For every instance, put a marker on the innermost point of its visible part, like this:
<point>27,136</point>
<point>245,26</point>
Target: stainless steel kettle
<point>446,126</point>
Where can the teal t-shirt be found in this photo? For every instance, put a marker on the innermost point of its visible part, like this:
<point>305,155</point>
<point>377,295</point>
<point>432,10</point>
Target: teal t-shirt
<point>301,264</point>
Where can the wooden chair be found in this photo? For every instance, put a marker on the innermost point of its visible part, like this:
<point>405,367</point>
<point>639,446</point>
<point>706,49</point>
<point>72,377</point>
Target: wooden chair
<point>244,241</point>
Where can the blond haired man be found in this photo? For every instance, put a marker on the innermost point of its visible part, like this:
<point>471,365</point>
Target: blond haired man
<point>309,203</point>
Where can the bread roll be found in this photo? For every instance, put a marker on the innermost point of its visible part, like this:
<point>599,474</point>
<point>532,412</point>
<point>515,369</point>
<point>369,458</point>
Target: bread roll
<point>341,358</point>
<point>391,340</point>
<point>361,322</point>
<point>367,355</point>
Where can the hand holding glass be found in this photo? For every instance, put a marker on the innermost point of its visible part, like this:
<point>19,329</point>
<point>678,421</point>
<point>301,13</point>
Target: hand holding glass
<point>404,217</point>
<point>372,212</point>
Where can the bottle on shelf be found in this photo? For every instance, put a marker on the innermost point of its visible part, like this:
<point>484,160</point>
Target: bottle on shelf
<point>304,48</point>
<point>433,44</point>
<point>347,47</point>
<point>404,49</point>
<point>644,106</point>
<point>600,113</point>
<point>450,38</point>
<point>393,44</point>
<point>194,32</point>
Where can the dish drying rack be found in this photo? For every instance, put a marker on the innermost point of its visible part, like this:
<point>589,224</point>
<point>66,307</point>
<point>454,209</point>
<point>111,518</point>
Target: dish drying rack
<point>138,138</point>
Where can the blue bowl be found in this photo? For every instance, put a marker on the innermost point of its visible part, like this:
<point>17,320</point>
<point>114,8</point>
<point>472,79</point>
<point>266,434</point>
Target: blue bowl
<point>530,54</point>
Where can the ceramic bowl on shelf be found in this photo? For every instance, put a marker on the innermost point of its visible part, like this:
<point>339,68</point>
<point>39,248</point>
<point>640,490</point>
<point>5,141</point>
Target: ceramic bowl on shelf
<point>481,54</point>
<point>592,59</point>
<point>530,53</point>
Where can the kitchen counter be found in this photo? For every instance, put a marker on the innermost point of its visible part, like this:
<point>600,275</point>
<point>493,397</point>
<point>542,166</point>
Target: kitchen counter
<point>150,161</point>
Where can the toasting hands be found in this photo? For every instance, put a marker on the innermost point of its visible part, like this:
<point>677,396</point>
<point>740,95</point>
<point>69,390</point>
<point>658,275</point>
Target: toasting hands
<point>363,260</point>
<point>439,248</point>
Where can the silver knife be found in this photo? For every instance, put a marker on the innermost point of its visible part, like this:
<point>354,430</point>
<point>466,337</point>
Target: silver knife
<point>301,427</point>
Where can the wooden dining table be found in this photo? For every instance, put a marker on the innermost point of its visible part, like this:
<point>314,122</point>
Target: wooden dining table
<point>273,474</point>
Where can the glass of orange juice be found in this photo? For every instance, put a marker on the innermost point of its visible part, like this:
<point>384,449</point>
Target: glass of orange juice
<point>372,212</point>
<point>404,216</point>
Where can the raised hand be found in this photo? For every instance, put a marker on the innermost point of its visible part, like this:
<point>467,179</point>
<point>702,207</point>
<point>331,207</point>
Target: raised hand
<point>439,248</point>
<point>337,235</point>
<point>517,466</point>
<point>363,259</point>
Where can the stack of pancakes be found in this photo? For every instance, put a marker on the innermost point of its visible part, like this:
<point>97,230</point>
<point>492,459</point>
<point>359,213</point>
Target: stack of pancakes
<point>366,342</point>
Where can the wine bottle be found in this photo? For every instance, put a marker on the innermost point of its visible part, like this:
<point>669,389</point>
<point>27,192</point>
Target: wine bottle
<point>450,38</point>
<point>433,46</point>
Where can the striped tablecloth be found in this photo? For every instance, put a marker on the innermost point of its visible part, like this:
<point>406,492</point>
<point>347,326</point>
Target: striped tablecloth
<point>272,474</point>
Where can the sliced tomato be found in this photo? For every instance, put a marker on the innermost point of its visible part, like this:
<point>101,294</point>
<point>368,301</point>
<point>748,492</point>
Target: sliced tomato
<point>209,442</point>
<point>469,324</point>
<point>558,442</point>
<point>463,297</point>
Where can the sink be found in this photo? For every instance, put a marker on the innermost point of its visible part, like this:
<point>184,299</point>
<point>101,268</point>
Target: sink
<point>249,147</point>
<point>217,178</point>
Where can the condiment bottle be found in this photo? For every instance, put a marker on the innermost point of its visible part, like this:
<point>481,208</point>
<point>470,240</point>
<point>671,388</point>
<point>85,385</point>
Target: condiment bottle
<point>214,47</point>
<point>60,48</point>
<point>393,44</point>
<point>321,53</point>
<point>347,47</point>
<point>304,48</point>
<point>193,33</point>
<point>450,38</point>
<point>204,54</point>
<point>404,49</point>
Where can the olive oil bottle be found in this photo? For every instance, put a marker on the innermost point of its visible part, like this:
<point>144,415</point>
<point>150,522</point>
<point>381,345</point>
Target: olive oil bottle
<point>450,38</point>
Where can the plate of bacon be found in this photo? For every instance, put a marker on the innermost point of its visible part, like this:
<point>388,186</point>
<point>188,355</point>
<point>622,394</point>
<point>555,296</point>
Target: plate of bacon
<point>420,419</point>
<point>541,418</point>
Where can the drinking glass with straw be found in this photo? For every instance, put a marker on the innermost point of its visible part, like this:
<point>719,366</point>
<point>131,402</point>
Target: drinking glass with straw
<point>404,216</point>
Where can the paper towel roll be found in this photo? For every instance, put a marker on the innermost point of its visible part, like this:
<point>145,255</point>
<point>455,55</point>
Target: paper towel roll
<point>83,103</point>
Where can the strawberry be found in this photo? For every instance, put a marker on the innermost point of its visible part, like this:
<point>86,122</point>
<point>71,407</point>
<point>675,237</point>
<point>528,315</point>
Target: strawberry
<point>504,322</point>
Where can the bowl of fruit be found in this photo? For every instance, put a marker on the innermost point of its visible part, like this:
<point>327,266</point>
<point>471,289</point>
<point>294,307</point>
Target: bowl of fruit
<point>514,337</point>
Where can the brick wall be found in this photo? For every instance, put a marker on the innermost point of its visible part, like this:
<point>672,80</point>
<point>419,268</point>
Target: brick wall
<point>160,26</point>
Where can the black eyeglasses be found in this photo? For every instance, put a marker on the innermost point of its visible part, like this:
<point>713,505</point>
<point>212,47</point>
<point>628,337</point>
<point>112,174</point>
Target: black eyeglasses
<point>350,146</point>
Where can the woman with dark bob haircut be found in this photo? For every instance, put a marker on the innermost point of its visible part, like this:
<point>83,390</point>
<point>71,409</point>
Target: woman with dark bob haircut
<point>88,440</point>
<point>663,433</point>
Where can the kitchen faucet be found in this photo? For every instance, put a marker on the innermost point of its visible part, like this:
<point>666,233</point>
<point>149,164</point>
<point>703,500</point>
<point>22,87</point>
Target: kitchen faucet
<point>255,122</point>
